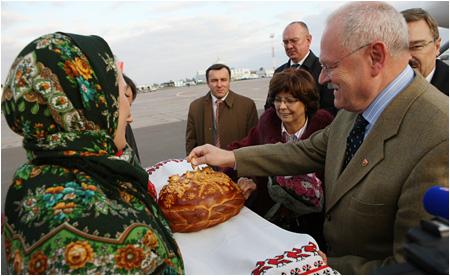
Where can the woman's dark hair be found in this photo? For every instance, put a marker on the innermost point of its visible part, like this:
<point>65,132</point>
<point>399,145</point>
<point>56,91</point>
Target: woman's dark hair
<point>300,84</point>
<point>131,84</point>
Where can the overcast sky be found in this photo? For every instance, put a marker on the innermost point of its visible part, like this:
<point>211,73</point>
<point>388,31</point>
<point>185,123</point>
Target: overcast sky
<point>161,41</point>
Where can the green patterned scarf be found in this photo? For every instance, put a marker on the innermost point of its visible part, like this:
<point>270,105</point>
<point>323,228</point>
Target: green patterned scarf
<point>62,96</point>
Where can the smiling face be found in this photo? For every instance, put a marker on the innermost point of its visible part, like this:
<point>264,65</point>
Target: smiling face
<point>291,111</point>
<point>350,79</point>
<point>124,113</point>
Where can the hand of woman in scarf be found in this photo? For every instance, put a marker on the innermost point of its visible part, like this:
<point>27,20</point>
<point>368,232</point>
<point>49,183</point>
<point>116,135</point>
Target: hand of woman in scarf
<point>247,186</point>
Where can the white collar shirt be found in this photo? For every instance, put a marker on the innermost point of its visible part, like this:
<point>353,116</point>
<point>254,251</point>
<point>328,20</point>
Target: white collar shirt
<point>301,61</point>
<point>214,105</point>
<point>431,75</point>
<point>214,99</point>
<point>293,137</point>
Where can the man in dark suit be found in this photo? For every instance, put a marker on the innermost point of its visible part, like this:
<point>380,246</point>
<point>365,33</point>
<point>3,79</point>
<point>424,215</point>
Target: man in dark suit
<point>424,45</point>
<point>374,194</point>
<point>236,114</point>
<point>296,42</point>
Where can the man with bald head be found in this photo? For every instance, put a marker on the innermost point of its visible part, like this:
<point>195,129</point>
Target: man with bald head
<point>296,43</point>
<point>386,147</point>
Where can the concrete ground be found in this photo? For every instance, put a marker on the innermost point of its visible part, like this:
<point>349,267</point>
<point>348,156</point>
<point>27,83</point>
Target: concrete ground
<point>159,127</point>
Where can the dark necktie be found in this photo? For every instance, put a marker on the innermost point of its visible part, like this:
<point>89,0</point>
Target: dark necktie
<point>355,138</point>
<point>217,123</point>
<point>295,66</point>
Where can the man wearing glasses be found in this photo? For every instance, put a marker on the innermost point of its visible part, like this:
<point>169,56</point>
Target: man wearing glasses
<point>424,44</point>
<point>296,43</point>
<point>386,147</point>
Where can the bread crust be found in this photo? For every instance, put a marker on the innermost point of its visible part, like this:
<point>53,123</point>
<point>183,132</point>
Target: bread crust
<point>199,199</point>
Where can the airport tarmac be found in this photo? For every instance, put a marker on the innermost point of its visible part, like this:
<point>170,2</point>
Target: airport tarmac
<point>159,125</point>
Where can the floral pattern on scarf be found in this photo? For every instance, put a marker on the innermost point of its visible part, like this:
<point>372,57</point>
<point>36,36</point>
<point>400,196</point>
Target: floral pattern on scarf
<point>75,207</point>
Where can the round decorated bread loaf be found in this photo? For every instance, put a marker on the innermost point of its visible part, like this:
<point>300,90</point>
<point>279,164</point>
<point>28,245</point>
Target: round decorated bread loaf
<point>199,199</point>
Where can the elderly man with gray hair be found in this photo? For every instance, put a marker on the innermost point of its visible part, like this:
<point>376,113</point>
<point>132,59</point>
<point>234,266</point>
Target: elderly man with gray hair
<point>382,152</point>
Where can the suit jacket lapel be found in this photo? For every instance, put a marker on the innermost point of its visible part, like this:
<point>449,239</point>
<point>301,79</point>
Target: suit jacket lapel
<point>338,151</point>
<point>371,151</point>
<point>229,100</point>
<point>209,116</point>
<point>208,120</point>
<point>440,78</point>
<point>309,61</point>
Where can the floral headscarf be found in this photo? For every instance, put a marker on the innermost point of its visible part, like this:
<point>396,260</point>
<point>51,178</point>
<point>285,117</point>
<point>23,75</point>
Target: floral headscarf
<point>54,98</point>
<point>78,193</point>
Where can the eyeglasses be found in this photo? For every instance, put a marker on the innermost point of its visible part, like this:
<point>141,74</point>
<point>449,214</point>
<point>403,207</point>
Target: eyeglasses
<point>292,41</point>
<point>420,47</point>
<point>334,64</point>
<point>288,101</point>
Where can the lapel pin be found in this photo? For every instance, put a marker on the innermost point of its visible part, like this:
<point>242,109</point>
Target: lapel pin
<point>365,162</point>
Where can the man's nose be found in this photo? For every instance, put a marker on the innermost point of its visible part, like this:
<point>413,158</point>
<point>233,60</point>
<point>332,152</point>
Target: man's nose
<point>324,77</point>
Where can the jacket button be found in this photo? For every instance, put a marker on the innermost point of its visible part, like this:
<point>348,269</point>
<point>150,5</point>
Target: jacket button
<point>328,216</point>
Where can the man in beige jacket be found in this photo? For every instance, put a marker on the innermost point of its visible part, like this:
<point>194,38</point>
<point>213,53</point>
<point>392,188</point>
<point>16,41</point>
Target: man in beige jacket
<point>373,201</point>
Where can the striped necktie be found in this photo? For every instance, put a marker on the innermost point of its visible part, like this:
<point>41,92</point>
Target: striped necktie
<point>217,123</point>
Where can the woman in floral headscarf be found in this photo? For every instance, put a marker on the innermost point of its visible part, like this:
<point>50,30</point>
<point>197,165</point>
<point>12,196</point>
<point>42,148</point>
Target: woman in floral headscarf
<point>80,204</point>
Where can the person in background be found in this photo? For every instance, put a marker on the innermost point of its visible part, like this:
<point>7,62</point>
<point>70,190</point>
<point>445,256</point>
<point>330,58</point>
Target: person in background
<point>81,204</point>
<point>296,43</point>
<point>221,108</point>
<point>294,117</point>
<point>131,94</point>
<point>424,46</point>
<point>399,121</point>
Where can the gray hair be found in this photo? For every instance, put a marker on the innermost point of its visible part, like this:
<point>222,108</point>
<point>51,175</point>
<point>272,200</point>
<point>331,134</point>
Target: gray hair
<point>367,22</point>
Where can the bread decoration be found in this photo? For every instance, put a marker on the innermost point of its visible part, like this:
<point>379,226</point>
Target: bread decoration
<point>199,199</point>
<point>193,166</point>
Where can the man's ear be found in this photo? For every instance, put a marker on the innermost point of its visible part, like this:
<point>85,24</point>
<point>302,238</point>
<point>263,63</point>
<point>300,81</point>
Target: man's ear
<point>438,46</point>
<point>378,53</point>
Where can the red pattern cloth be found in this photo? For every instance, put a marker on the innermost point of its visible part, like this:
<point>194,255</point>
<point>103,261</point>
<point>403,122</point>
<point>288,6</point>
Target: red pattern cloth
<point>152,190</point>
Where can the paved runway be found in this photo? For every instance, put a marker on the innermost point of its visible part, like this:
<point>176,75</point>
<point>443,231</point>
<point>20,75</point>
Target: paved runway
<point>159,125</point>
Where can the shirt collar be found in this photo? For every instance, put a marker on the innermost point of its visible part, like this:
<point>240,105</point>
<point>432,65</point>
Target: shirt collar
<point>378,105</point>
<point>301,61</point>
<point>214,99</point>
<point>296,136</point>
<point>431,75</point>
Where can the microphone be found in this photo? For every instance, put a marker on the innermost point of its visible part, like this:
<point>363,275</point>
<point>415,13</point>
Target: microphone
<point>435,201</point>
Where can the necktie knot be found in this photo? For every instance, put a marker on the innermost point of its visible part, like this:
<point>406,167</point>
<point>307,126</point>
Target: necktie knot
<point>360,122</point>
